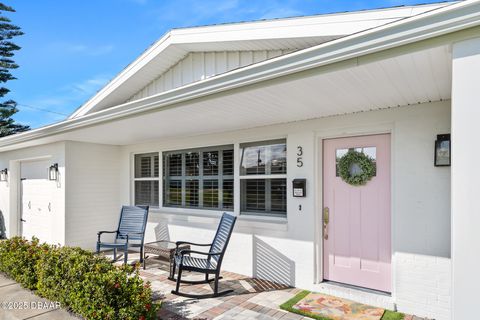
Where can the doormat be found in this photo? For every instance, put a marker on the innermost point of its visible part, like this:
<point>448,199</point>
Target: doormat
<point>324,307</point>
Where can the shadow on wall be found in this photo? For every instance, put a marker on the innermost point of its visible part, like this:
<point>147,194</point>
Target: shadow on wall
<point>161,231</point>
<point>269,264</point>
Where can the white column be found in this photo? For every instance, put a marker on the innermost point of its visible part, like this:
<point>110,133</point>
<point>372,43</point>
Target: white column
<point>466,178</point>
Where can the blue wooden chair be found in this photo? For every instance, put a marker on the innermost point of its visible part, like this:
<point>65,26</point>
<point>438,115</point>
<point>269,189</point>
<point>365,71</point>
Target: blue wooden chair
<point>210,264</point>
<point>130,232</point>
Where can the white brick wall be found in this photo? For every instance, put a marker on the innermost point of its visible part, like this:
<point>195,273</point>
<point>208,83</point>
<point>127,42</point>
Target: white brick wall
<point>423,285</point>
<point>361,295</point>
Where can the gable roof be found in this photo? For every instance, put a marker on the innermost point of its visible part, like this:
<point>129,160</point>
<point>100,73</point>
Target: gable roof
<point>438,27</point>
<point>289,33</point>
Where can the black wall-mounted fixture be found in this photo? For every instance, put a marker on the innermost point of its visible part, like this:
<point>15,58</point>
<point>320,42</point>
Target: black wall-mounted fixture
<point>4,174</point>
<point>443,154</point>
<point>53,172</point>
<point>299,187</point>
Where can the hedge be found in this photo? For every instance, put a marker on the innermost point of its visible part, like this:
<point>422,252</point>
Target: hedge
<point>82,282</point>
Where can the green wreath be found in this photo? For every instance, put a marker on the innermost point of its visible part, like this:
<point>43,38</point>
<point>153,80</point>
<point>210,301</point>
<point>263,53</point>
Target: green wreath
<point>363,161</point>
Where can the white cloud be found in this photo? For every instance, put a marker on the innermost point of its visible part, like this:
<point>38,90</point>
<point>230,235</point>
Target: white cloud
<point>189,13</point>
<point>280,12</point>
<point>89,86</point>
<point>63,100</point>
<point>79,48</point>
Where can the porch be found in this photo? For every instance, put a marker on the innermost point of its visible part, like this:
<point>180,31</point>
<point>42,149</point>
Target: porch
<point>252,298</point>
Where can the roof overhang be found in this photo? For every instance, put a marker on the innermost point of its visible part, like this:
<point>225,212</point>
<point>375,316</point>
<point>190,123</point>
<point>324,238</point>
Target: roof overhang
<point>293,33</point>
<point>353,86</point>
<point>411,38</point>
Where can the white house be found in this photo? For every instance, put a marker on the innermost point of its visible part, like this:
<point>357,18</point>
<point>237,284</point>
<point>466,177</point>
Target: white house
<point>228,117</point>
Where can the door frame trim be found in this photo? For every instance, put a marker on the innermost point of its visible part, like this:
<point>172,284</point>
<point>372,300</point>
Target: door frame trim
<point>345,132</point>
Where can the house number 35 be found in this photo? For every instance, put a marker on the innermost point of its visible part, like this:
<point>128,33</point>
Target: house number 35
<point>299,156</point>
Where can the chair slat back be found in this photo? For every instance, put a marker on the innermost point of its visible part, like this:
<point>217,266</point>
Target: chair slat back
<point>223,234</point>
<point>133,220</point>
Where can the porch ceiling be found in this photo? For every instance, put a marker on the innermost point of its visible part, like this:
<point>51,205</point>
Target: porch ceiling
<point>353,86</point>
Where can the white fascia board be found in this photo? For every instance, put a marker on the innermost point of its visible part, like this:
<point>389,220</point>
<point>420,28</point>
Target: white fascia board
<point>446,20</point>
<point>269,29</point>
<point>130,70</point>
<point>327,25</point>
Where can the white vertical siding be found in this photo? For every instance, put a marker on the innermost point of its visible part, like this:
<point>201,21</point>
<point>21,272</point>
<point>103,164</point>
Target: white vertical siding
<point>197,66</point>
<point>92,192</point>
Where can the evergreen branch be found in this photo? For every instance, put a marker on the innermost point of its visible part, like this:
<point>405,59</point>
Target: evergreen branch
<point>4,7</point>
<point>8,108</point>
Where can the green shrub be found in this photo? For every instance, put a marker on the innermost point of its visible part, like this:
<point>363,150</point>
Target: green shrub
<point>18,259</point>
<point>81,281</point>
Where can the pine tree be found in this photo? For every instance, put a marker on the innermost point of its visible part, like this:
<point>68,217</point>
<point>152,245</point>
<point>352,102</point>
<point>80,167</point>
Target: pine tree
<point>7,50</point>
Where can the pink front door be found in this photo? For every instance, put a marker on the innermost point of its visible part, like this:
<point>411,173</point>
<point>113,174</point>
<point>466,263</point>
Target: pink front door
<point>357,238</point>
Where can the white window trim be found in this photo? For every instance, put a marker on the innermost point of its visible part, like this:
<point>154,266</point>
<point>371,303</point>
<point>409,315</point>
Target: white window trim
<point>264,176</point>
<point>134,179</point>
<point>251,216</point>
<point>241,177</point>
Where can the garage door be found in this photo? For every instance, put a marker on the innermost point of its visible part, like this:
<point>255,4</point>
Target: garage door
<point>36,200</point>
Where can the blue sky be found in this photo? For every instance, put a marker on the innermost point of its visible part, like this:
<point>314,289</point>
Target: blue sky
<point>72,48</point>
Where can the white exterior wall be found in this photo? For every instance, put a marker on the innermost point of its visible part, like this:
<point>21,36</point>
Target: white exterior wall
<point>98,180</point>
<point>465,177</point>
<point>10,191</point>
<point>198,66</point>
<point>421,220</point>
<point>92,192</point>
<point>86,198</point>
<point>420,205</point>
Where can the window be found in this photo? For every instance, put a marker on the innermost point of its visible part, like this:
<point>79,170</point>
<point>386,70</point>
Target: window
<point>146,179</point>
<point>199,178</point>
<point>263,178</point>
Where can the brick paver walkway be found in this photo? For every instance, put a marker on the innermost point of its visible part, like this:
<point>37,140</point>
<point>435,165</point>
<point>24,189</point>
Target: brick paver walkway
<point>251,299</point>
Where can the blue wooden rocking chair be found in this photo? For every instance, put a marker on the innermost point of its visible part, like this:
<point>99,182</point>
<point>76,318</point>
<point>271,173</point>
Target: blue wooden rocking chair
<point>210,264</point>
<point>130,232</point>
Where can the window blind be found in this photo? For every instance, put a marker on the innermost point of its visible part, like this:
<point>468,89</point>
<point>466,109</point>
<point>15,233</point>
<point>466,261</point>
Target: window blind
<point>266,193</point>
<point>202,178</point>
<point>146,186</point>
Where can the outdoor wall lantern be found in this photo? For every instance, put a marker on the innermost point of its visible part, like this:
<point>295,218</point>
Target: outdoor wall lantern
<point>442,150</point>
<point>4,175</point>
<point>53,172</point>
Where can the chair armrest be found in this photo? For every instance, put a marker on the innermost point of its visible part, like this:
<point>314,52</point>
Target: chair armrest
<point>101,232</point>
<point>129,234</point>
<point>183,252</point>
<point>179,243</point>
<point>209,255</point>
